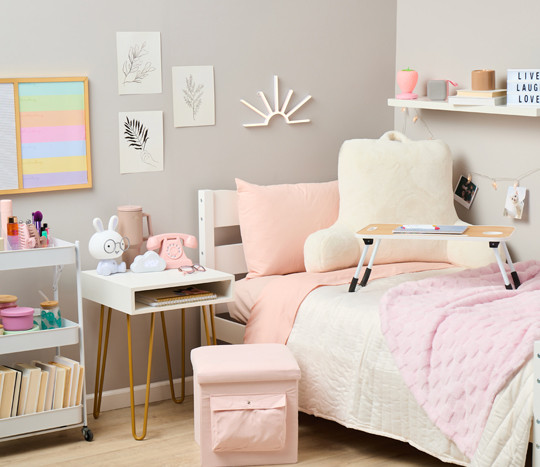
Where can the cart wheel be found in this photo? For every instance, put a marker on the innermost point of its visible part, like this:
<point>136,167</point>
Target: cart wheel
<point>87,433</point>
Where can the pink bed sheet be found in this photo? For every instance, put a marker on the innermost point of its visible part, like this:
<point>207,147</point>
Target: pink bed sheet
<point>274,311</point>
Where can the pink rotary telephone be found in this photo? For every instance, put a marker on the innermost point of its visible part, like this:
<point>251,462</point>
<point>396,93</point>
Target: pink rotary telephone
<point>171,247</point>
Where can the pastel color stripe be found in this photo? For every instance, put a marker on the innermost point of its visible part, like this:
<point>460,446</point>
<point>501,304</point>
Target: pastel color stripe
<point>54,164</point>
<point>55,179</point>
<point>47,103</point>
<point>46,134</point>
<point>51,89</point>
<point>53,149</point>
<point>52,118</point>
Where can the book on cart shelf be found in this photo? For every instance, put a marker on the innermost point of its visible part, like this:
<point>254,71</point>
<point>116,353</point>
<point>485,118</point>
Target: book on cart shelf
<point>16,391</point>
<point>67,383</point>
<point>50,370</point>
<point>8,389</point>
<point>465,100</point>
<point>44,380</point>
<point>481,93</point>
<point>59,387</point>
<point>31,393</point>
<point>80,385</point>
<point>74,367</point>
<point>1,387</point>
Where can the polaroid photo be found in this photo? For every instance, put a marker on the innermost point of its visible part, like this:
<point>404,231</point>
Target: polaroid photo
<point>515,202</point>
<point>465,192</point>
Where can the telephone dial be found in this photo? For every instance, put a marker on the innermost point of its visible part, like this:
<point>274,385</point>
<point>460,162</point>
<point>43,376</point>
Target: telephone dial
<point>171,248</point>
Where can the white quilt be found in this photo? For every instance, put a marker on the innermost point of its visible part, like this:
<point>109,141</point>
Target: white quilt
<point>349,376</point>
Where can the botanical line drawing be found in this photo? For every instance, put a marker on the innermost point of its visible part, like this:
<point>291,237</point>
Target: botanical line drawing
<point>136,134</point>
<point>193,94</point>
<point>134,69</point>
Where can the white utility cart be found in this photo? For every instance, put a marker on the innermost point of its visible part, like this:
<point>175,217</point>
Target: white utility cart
<point>59,254</point>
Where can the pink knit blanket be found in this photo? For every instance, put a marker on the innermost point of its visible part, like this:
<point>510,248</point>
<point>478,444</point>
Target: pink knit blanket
<point>457,339</point>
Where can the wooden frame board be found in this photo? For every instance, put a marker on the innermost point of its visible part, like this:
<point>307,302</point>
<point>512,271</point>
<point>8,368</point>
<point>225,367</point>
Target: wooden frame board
<point>44,134</point>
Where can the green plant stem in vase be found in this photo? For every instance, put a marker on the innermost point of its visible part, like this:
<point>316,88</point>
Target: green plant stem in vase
<point>406,80</point>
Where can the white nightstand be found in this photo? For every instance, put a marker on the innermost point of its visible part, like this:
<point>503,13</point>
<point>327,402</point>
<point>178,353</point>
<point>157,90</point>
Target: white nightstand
<point>119,292</point>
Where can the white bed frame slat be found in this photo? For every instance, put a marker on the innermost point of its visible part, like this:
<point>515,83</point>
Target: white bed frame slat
<point>217,209</point>
<point>230,258</point>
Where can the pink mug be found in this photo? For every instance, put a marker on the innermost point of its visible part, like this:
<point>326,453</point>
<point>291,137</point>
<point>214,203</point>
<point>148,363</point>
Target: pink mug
<point>130,225</point>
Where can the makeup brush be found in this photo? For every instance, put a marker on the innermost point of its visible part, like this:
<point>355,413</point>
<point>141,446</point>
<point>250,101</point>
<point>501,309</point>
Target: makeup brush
<point>38,217</point>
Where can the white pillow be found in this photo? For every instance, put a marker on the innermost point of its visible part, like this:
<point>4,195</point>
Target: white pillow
<point>389,180</point>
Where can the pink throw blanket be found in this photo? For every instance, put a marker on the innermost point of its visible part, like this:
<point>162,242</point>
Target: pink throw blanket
<point>457,339</point>
<point>273,314</point>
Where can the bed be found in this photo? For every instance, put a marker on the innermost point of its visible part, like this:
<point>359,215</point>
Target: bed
<point>349,374</point>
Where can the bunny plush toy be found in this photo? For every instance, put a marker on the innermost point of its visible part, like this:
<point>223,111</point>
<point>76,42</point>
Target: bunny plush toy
<point>107,245</point>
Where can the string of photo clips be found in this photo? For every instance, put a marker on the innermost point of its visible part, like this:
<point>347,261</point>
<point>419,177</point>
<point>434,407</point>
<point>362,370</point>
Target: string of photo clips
<point>493,180</point>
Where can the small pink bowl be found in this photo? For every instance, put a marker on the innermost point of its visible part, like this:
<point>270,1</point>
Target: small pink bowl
<point>19,318</point>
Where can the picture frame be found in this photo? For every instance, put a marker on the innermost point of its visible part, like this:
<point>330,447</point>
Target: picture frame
<point>465,192</point>
<point>514,205</point>
<point>141,141</point>
<point>193,96</point>
<point>45,129</point>
<point>138,57</point>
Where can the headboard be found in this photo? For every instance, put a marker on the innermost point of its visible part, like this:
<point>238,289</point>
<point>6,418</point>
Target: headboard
<point>221,249</point>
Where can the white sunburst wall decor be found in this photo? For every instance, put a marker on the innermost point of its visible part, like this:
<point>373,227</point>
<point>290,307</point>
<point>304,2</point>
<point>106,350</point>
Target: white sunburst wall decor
<point>276,111</point>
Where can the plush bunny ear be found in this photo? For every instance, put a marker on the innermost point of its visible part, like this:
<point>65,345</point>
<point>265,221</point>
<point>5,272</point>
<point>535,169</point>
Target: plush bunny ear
<point>113,222</point>
<point>98,224</point>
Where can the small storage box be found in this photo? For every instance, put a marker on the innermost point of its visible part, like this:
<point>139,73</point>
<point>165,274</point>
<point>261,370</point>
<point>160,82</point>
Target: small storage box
<point>245,404</point>
<point>19,318</point>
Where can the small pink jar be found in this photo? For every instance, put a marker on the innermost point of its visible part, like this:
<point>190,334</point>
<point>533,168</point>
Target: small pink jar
<point>19,318</point>
<point>7,301</point>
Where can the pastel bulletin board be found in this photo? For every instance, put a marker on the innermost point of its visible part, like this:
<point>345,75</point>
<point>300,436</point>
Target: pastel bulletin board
<point>44,135</point>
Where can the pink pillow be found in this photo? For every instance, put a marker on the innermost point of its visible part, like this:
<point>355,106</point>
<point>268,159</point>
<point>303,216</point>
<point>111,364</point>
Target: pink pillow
<point>275,221</point>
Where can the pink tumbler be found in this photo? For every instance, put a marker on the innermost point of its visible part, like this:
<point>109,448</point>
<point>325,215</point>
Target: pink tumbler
<point>130,225</point>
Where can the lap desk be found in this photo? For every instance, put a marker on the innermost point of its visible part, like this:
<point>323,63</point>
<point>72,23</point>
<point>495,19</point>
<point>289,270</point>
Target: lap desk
<point>492,234</point>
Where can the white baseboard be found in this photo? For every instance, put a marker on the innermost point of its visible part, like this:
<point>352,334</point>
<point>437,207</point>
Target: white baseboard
<point>119,398</point>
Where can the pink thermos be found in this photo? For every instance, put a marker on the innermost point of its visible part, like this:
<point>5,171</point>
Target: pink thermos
<point>130,225</point>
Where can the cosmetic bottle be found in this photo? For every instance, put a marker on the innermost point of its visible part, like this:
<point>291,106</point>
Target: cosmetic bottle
<point>5,213</point>
<point>13,233</point>
<point>44,233</point>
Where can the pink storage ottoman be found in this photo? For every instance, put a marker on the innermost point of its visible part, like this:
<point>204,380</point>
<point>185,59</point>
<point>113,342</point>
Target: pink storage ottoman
<point>245,404</point>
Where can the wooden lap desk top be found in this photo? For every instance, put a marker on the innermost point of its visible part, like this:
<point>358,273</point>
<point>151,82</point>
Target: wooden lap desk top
<point>493,234</point>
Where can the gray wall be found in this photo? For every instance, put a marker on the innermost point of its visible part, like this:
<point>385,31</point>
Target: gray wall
<point>448,41</point>
<point>342,53</point>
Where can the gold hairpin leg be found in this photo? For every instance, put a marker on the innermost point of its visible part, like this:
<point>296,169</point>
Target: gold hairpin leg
<point>100,364</point>
<point>212,324</point>
<point>203,308</point>
<point>148,373</point>
<point>166,342</point>
<point>213,340</point>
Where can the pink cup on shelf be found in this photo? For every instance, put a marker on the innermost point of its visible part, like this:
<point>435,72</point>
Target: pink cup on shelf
<point>18,318</point>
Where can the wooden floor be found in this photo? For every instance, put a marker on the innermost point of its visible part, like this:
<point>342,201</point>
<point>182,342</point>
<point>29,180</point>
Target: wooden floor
<point>170,442</point>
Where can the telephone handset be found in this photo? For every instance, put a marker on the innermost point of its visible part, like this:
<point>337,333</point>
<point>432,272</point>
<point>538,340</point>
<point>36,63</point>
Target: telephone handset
<point>171,248</point>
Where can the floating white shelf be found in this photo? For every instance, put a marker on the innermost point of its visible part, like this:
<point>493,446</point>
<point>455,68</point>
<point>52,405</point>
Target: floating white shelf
<point>425,103</point>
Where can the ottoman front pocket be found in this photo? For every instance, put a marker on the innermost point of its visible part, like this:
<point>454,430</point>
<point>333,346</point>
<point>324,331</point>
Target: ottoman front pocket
<point>250,422</point>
